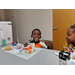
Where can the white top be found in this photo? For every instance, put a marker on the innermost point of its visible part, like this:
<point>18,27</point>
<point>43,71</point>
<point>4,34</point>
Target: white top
<point>43,44</point>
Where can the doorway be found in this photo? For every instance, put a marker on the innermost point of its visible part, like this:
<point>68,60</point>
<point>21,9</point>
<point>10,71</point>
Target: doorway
<point>62,20</point>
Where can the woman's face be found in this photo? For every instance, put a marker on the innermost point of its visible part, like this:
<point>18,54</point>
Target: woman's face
<point>70,36</point>
<point>36,35</point>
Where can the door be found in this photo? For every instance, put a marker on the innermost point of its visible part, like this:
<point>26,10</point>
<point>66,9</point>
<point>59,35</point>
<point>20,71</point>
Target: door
<point>62,20</point>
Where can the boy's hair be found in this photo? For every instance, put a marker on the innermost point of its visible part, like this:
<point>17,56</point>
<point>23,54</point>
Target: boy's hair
<point>37,30</point>
<point>73,27</point>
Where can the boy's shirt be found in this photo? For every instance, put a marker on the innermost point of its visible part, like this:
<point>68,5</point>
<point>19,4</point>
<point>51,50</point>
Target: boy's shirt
<point>66,45</point>
<point>41,45</point>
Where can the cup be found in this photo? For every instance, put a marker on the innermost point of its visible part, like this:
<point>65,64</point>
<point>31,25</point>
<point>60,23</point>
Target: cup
<point>32,45</point>
<point>8,47</point>
<point>19,46</point>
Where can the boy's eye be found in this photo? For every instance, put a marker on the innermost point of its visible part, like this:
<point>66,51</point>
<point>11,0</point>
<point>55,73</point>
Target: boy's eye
<point>37,34</point>
<point>34,34</point>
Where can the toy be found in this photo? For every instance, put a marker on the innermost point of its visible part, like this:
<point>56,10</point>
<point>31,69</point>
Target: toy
<point>14,43</point>
<point>19,46</point>
<point>71,49</point>
<point>28,49</point>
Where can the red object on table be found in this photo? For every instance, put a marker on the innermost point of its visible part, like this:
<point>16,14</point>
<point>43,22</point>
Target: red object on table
<point>19,47</point>
<point>29,49</point>
<point>13,42</point>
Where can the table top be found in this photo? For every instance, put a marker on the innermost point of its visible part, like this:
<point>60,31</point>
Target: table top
<point>43,57</point>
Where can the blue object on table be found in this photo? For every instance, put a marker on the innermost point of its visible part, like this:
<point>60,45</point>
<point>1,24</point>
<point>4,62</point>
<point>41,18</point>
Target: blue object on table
<point>14,44</point>
<point>72,63</point>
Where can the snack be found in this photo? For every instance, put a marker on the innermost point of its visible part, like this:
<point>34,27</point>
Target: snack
<point>8,47</point>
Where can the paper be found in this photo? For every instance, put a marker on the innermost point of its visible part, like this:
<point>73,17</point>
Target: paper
<point>57,54</point>
<point>13,51</point>
<point>23,54</point>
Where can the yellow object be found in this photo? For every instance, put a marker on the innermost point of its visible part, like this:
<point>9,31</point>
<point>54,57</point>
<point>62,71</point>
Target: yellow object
<point>66,45</point>
<point>8,47</point>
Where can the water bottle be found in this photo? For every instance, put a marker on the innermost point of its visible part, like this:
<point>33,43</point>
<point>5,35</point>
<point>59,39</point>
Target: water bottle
<point>4,42</point>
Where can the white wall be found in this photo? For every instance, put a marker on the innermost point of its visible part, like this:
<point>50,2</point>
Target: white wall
<point>51,24</point>
<point>2,16</point>
<point>29,19</point>
<point>10,16</point>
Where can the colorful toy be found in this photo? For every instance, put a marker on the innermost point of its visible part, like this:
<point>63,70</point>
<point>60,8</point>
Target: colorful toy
<point>14,43</point>
<point>19,46</point>
<point>28,49</point>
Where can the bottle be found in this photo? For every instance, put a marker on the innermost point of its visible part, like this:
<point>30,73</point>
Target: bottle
<point>32,44</point>
<point>4,42</point>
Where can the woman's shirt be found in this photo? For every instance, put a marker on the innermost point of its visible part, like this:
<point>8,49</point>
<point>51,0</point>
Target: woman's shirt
<point>66,45</point>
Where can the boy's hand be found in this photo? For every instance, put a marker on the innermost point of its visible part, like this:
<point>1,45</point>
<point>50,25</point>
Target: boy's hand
<point>47,43</point>
<point>26,44</point>
<point>66,48</point>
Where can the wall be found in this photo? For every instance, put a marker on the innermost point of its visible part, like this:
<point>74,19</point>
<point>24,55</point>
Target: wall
<point>29,19</point>
<point>2,16</point>
<point>51,24</point>
<point>10,16</point>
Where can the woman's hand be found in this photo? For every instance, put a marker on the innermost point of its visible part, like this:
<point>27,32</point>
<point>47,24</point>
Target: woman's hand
<point>66,48</point>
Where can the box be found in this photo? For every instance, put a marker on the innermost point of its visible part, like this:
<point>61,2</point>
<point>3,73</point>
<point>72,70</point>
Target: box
<point>6,33</point>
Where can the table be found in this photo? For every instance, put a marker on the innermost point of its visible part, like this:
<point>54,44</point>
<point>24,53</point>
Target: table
<point>43,57</point>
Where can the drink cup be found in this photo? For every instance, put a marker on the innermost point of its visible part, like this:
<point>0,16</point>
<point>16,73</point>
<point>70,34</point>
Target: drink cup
<point>19,46</point>
<point>32,45</point>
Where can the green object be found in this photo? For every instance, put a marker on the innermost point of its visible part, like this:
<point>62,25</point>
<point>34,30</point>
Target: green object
<point>4,42</point>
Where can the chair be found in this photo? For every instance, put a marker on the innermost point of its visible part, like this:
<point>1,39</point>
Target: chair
<point>51,46</point>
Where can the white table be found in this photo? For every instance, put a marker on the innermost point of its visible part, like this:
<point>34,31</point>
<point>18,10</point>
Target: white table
<point>43,57</point>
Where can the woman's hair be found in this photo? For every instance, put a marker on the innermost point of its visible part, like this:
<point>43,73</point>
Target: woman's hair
<point>73,27</point>
<point>37,30</point>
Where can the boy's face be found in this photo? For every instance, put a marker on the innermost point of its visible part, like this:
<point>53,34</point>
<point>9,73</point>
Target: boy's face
<point>70,36</point>
<point>36,35</point>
